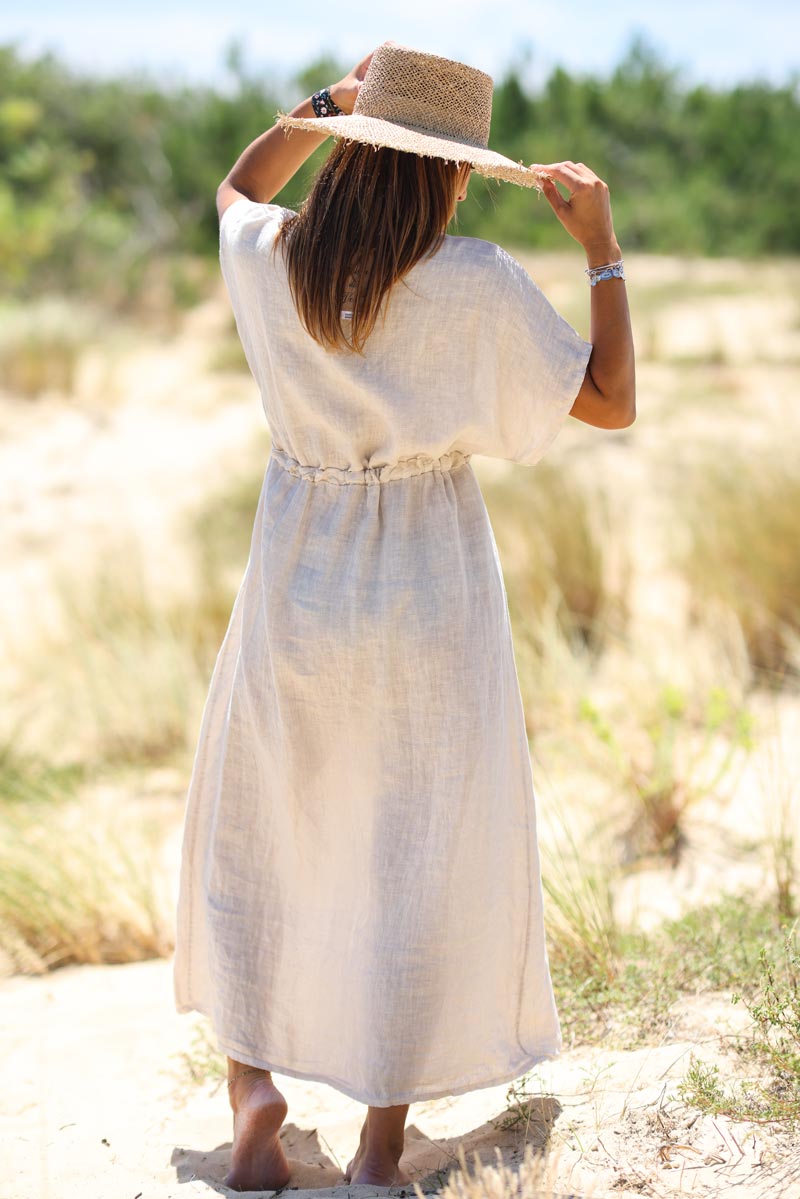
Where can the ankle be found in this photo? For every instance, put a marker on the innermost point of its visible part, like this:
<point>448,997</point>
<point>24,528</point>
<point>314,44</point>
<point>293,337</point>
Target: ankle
<point>383,1149</point>
<point>238,1070</point>
<point>383,1133</point>
<point>239,1089</point>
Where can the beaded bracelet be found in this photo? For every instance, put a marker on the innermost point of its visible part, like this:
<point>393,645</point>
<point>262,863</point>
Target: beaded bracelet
<point>324,104</point>
<point>612,270</point>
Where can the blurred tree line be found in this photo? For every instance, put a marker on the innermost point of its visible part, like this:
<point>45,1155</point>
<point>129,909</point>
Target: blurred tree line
<point>99,176</point>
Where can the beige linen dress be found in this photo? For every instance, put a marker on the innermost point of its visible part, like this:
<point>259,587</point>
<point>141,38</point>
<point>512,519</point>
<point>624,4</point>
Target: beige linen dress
<point>360,896</point>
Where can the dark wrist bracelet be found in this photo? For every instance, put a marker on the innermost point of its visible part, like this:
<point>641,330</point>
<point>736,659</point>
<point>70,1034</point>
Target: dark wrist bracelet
<point>324,105</point>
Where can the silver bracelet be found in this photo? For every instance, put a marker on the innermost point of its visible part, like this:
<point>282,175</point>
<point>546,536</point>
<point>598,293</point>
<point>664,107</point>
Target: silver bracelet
<point>612,270</point>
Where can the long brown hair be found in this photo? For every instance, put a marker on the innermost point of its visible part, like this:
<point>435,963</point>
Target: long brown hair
<point>371,214</point>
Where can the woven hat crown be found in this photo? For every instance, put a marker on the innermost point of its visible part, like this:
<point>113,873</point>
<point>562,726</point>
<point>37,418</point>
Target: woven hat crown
<point>421,103</point>
<point>428,93</point>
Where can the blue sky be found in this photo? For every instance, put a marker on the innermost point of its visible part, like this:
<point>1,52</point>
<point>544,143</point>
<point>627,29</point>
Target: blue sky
<point>713,41</point>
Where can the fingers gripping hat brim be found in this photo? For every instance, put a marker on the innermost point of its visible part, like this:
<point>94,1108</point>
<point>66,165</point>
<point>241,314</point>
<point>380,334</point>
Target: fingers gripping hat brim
<point>377,132</point>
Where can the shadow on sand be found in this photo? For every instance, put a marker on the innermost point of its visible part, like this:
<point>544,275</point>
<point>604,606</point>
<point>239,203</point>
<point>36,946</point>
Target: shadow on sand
<point>427,1161</point>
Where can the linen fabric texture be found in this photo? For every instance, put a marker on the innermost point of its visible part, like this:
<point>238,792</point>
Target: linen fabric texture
<point>360,899</point>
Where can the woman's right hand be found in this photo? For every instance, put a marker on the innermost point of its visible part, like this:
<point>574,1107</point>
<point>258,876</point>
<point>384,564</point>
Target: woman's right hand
<point>586,214</point>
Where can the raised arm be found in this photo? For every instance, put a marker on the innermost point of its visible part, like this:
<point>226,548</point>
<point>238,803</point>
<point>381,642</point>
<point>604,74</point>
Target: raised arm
<point>275,156</point>
<point>607,398</point>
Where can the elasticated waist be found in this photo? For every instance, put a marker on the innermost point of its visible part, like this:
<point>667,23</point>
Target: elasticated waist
<point>402,468</point>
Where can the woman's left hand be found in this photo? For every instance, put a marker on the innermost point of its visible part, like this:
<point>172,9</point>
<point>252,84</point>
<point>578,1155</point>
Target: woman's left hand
<point>344,92</point>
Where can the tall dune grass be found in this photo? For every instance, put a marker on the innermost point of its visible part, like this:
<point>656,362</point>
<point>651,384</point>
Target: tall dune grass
<point>78,884</point>
<point>120,675</point>
<point>779,786</point>
<point>119,682</point>
<point>736,544</point>
<point>578,877</point>
<point>561,555</point>
<point>567,574</point>
<point>123,674</point>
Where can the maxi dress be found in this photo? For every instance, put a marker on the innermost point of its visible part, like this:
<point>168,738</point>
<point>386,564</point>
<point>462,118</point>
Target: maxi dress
<point>360,899</point>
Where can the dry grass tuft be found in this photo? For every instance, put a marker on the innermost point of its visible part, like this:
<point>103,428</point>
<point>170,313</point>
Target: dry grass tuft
<point>123,675</point>
<point>779,787</point>
<point>78,884</point>
<point>578,881</point>
<point>532,1177</point>
<point>562,557</point>
<point>119,669</point>
<point>737,547</point>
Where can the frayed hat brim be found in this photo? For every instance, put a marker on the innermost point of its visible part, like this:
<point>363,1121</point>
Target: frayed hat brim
<point>378,132</point>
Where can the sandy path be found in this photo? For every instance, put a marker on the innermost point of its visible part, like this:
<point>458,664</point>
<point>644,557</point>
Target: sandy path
<point>96,1102</point>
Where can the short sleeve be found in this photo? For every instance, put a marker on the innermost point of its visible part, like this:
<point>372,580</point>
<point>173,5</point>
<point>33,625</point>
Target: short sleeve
<point>541,365</point>
<point>245,225</point>
<point>246,232</point>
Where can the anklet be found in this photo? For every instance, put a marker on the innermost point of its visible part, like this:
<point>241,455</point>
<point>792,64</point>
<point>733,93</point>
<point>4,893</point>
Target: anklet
<point>252,1070</point>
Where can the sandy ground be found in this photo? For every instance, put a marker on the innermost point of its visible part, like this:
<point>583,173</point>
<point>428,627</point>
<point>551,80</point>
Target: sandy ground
<point>97,1102</point>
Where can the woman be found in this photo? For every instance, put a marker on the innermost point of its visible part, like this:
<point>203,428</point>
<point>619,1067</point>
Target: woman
<point>360,898</point>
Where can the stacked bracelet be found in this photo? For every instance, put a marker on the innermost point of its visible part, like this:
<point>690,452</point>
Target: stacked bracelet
<point>612,270</point>
<point>324,105</point>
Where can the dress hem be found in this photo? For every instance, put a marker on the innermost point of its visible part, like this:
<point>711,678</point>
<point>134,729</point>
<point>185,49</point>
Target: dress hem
<point>418,1096</point>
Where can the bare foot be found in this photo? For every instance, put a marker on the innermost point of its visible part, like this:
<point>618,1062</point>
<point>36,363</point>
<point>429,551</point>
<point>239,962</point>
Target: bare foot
<point>258,1162</point>
<point>370,1167</point>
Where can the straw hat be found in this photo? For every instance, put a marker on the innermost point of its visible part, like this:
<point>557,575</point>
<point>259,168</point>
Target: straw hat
<point>426,104</point>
